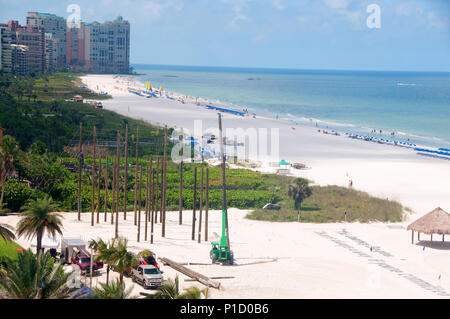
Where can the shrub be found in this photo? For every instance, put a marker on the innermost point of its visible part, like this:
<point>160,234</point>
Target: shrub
<point>17,194</point>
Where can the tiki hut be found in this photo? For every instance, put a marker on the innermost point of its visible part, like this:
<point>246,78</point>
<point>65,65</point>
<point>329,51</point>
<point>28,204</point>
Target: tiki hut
<point>435,222</point>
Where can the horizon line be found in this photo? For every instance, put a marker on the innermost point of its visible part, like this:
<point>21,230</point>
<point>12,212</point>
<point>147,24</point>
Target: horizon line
<point>291,69</point>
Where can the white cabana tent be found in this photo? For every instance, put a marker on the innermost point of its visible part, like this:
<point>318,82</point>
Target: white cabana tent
<point>47,242</point>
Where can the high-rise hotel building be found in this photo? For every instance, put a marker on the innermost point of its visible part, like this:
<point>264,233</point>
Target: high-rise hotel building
<point>100,47</point>
<point>47,43</point>
<point>33,38</point>
<point>5,50</point>
<point>55,29</point>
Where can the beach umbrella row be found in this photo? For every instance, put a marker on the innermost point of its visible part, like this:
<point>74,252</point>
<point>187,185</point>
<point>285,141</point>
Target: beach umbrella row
<point>381,140</point>
<point>432,151</point>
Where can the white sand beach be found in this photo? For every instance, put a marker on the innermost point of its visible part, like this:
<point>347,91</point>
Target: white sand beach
<point>386,171</point>
<point>292,260</point>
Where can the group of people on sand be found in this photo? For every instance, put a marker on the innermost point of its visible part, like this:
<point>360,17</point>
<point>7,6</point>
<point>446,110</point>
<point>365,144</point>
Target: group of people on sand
<point>381,132</point>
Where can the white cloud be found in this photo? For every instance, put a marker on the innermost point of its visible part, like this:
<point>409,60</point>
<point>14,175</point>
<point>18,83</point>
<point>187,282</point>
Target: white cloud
<point>238,7</point>
<point>260,38</point>
<point>337,4</point>
<point>342,12</point>
<point>278,5</point>
<point>408,9</point>
<point>436,22</point>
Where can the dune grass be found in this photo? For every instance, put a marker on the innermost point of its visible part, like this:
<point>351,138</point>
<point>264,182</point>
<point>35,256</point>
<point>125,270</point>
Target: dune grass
<point>329,204</point>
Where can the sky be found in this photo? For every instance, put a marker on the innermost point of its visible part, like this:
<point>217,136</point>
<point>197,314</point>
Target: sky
<point>413,35</point>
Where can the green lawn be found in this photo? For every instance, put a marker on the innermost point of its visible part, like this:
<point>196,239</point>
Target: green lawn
<point>8,249</point>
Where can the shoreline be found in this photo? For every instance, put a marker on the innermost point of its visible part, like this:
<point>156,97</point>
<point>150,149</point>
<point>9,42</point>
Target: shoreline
<point>389,137</point>
<point>403,135</point>
<point>382,170</point>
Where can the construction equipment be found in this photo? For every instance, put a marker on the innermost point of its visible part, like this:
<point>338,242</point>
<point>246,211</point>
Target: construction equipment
<point>221,252</point>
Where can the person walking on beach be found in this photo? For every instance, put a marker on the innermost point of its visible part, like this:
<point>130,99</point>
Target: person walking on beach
<point>81,157</point>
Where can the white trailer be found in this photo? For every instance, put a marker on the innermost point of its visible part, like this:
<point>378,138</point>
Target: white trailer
<point>70,247</point>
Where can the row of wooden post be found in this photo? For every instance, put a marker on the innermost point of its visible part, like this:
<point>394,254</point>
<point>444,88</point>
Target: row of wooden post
<point>155,190</point>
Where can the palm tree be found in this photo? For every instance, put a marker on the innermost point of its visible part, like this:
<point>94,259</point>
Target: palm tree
<point>9,151</point>
<point>298,191</point>
<point>33,277</point>
<point>114,290</point>
<point>196,293</point>
<point>38,217</point>
<point>103,252</point>
<point>121,258</point>
<point>171,290</point>
<point>6,232</point>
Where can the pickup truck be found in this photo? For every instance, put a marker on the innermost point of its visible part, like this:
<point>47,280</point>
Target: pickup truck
<point>84,262</point>
<point>147,276</point>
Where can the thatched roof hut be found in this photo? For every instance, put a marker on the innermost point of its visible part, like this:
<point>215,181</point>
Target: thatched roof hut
<point>435,222</point>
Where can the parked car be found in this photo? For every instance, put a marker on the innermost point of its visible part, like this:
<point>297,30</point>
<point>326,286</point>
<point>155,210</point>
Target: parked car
<point>83,260</point>
<point>147,276</point>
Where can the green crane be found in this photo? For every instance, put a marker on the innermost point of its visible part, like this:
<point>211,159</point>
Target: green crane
<point>221,252</point>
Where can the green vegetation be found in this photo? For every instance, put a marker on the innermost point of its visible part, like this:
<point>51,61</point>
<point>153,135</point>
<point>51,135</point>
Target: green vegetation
<point>39,217</point>
<point>333,204</point>
<point>62,85</point>
<point>33,277</point>
<point>113,290</point>
<point>39,149</point>
<point>49,122</point>
<point>171,290</point>
<point>8,249</point>
<point>299,190</point>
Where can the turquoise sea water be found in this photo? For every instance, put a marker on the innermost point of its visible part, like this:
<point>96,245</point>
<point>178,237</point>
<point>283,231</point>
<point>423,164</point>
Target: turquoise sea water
<point>414,105</point>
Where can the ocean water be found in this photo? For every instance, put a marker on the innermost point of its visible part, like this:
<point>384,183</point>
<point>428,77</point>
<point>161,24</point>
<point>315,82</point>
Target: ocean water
<point>414,105</point>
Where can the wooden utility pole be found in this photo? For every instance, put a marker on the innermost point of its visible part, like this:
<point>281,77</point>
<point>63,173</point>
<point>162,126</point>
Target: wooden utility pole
<point>152,221</point>
<point>157,191</point>
<point>118,185</point>
<point>180,199</point>
<point>140,201</point>
<point>79,171</point>
<point>194,202</point>
<point>113,199</point>
<point>125,181</point>
<point>163,209</point>
<point>148,194</point>
<point>161,186</point>
<point>150,198</point>
<point>99,179</point>
<point>206,203</point>
<point>224,190</point>
<point>201,209</point>
<point>136,174</point>
<point>93,178</point>
<point>146,205</point>
<point>106,187</point>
